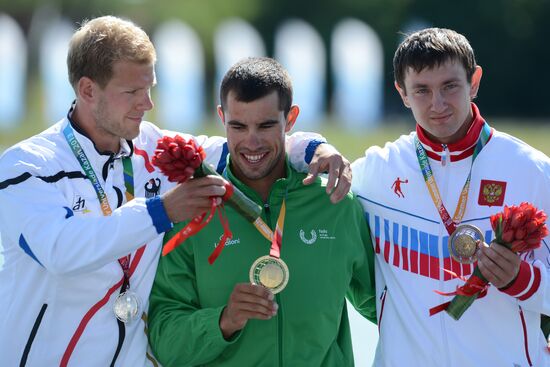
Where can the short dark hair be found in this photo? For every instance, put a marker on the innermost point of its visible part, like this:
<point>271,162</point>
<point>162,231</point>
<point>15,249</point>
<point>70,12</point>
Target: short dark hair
<point>432,47</point>
<point>255,77</point>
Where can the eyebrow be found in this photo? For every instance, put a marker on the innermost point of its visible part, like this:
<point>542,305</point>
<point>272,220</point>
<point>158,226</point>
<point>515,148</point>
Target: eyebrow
<point>424,85</point>
<point>266,122</point>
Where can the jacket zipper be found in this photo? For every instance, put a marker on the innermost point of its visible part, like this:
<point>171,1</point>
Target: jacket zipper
<point>525,341</point>
<point>382,303</point>
<point>280,330</point>
<point>267,212</point>
<point>34,330</point>
<point>445,154</point>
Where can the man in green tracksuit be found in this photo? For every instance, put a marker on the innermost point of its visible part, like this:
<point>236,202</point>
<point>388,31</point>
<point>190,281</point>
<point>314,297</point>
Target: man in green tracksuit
<point>203,314</point>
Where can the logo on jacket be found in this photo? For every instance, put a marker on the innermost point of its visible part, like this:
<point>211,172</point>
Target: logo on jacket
<point>79,205</point>
<point>491,193</point>
<point>308,241</point>
<point>228,241</point>
<point>152,188</point>
<point>396,186</point>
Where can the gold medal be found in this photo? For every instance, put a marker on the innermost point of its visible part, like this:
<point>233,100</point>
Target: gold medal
<point>270,272</point>
<point>463,243</point>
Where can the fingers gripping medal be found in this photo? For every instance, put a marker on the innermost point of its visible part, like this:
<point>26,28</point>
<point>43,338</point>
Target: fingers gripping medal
<point>463,243</point>
<point>270,271</point>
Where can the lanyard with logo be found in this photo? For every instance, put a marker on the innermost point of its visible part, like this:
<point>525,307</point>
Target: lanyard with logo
<point>127,304</point>
<point>450,223</point>
<point>270,270</point>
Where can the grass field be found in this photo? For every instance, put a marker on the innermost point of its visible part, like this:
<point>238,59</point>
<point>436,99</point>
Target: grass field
<point>351,144</point>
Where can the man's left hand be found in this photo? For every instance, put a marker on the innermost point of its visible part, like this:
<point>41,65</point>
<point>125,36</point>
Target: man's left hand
<point>499,265</point>
<point>327,159</point>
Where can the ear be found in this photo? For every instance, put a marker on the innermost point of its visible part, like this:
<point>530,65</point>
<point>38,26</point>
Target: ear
<point>86,89</point>
<point>476,80</point>
<point>220,114</point>
<point>403,94</point>
<point>291,117</point>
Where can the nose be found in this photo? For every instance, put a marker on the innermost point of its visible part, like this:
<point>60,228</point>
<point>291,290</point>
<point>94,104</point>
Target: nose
<point>146,103</point>
<point>438,102</point>
<point>253,140</point>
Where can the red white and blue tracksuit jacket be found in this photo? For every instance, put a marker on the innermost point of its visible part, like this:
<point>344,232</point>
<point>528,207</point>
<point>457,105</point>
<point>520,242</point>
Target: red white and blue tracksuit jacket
<point>501,329</point>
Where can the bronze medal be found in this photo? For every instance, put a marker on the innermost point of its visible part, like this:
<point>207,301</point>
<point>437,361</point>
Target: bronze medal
<point>463,243</point>
<point>270,272</point>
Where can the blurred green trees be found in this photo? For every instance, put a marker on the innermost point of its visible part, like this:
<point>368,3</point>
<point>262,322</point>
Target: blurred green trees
<point>509,36</point>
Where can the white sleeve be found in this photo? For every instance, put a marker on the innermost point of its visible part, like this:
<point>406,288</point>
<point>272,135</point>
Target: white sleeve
<point>301,147</point>
<point>532,284</point>
<point>36,220</point>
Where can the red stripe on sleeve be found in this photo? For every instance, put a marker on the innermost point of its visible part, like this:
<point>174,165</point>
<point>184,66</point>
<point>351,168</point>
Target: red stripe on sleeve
<point>534,286</point>
<point>521,282</point>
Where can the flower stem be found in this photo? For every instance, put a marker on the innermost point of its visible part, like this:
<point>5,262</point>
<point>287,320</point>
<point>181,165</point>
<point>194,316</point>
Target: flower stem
<point>460,303</point>
<point>238,201</point>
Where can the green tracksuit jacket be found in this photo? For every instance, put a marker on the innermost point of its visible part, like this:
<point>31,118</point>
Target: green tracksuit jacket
<point>329,255</point>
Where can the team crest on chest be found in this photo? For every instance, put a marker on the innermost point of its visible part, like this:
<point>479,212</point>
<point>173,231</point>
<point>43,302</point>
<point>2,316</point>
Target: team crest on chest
<point>491,193</point>
<point>152,188</point>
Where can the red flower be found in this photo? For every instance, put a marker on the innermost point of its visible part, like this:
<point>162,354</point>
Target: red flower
<point>520,228</point>
<point>177,158</point>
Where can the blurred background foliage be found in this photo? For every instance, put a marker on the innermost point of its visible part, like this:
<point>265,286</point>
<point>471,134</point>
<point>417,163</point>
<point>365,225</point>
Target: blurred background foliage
<point>509,36</point>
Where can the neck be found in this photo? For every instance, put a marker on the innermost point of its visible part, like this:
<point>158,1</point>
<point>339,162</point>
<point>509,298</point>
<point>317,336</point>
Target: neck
<point>458,149</point>
<point>262,186</point>
<point>86,124</point>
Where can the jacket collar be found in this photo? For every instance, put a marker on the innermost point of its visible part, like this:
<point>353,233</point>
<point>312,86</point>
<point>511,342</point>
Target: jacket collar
<point>459,150</point>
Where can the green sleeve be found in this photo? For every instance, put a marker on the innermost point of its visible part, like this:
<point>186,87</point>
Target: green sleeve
<point>181,333</point>
<point>362,291</point>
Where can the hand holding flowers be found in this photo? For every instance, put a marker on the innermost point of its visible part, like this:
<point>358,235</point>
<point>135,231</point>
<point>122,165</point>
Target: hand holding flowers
<point>519,228</point>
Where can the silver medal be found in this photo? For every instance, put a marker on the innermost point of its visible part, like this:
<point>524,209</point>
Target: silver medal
<point>127,306</point>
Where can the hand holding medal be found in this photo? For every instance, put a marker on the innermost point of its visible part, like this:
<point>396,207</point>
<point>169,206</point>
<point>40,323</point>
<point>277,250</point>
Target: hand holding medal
<point>519,228</point>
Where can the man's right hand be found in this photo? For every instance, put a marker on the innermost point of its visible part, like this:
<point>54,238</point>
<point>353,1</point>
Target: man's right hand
<point>193,197</point>
<point>247,301</point>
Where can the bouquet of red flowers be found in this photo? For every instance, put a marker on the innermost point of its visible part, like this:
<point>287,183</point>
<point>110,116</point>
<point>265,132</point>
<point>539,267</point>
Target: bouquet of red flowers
<point>181,160</point>
<point>521,229</point>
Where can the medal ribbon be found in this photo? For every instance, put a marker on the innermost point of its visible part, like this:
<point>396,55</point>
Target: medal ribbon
<point>199,222</point>
<point>276,238</point>
<point>81,157</point>
<point>125,262</point>
<point>450,223</point>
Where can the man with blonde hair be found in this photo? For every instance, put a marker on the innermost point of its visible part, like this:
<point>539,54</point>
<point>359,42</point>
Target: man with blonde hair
<point>83,211</point>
